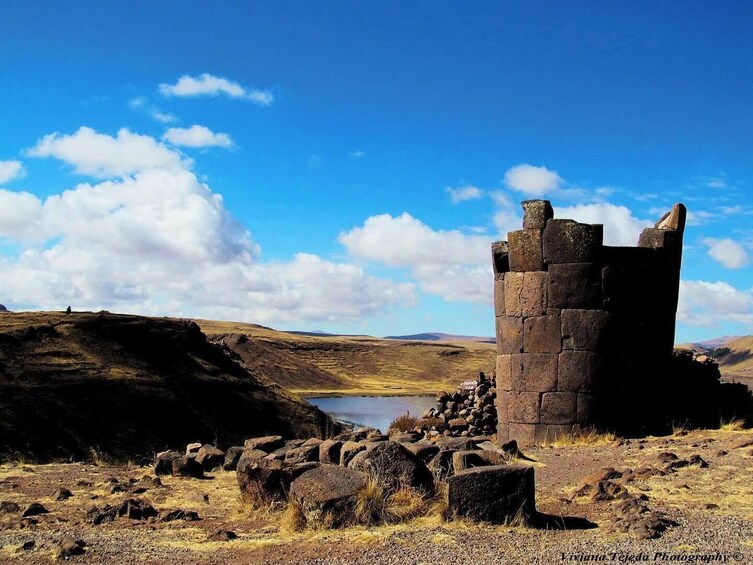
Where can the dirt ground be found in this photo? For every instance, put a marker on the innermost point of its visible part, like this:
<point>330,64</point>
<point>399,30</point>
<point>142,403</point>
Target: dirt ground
<point>713,507</point>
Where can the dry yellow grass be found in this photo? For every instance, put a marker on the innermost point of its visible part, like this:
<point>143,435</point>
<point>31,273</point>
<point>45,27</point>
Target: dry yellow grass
<point>584,437</point>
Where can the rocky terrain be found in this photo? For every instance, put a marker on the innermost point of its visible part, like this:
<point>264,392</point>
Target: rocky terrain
<point>685,497</point>
<point>96,385</point>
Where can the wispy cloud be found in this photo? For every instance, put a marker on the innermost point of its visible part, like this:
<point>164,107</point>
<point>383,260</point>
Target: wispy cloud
<point>727,252</point>
<point>11,170</point>
<point>210,85</point>
<point>357,154</point>
<point>464,193</point>
<point>142,104</point>
<point>197,136</point>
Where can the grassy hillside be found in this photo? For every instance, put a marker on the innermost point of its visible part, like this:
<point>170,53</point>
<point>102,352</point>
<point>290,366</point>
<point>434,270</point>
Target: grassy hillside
<point>738,363</point>
<point>128,386</point>
<point>310,364</point>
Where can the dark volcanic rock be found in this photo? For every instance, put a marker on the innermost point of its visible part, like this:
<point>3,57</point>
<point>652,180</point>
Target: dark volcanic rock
<point>69,547</point>
<point>209,457</point>
<point>498,494</point>
<point>222,535</point>
<point>62,494</point>
<point>266,443</point>
<point>231,458</point>
<point>329,451</point>
<point>34,509</point>
<point>163,464</point>
<point>328,488</point>
<point>394,467</point>
<point>187,467</point>
<point>7,507</point>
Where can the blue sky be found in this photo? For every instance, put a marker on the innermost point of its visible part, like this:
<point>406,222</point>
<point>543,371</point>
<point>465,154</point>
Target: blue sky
<point>344,166</point>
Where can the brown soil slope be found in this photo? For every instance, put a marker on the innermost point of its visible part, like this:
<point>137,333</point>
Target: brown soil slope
<point>358,364</point>
<point>128,386</point>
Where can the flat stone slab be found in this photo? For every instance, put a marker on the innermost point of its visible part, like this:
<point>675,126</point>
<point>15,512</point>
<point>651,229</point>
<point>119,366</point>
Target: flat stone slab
<point>328,486</point>
<point>499,494</point>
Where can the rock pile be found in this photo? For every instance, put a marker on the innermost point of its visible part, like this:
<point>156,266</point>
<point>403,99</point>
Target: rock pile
<point>467,412</point>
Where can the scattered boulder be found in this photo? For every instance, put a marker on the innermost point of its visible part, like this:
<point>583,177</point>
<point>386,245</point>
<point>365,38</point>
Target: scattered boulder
<point>266,443</point>
<point>193,448</point>
<point>163,464</point>
<point>69,547</point>
<point>499,494</point>
<point>222,535</point>
<point>172,515</point>
<point>328,489</point>
<point>349,450</point>
<point>635,518</point>
<point>302,454</point>
<point>329,451</point>
<point>34,509</point>
<point>393,466</point>
<point>603,491</point>
<point>133,508</point>
<point>61,494</point>
<point>423,449</point>
<point>209,457</point>
<point>7,507</point>
<point>441,464</point>
<point>187,467</point>
<point>232,456</point>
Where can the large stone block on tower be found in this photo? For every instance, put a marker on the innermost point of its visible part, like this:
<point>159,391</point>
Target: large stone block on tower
<point>585,330</point>
<point>504,372</point>
<point>525,294</point>
<point>578,371</point>
<point>523,407</point>
<point>574,285</point>
<point>542,334</point>
<point>539,371</point>
<point>559,408</point>
<point>536,213</point>
<point>525,250</point>
<point>509,335</point>
<point>567,241</point>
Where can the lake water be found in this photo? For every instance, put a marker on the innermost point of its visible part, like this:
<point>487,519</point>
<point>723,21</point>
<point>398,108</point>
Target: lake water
<point>375,411</point>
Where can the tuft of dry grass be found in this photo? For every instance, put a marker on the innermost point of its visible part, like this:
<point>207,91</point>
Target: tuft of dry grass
<point>587,436</point>
<point>371,504</point>
<point>293,518</point>
<point>733,425</point>
<point>405,423</point>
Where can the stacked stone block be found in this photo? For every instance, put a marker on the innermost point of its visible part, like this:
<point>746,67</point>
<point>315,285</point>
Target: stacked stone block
<point>563,304</point>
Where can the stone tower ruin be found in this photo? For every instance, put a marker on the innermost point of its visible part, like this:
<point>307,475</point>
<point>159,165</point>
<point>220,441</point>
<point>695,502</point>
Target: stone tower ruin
<point>584,331</point>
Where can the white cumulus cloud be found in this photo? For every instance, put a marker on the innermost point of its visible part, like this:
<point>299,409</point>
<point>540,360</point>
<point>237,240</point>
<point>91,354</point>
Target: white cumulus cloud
<point>197,136</point>
<point>620,226</point>
<point>450,264</point>
<point>463,193</point>
<point>104,156</point>
<point>210,85</point>
<point>532,181</point>
<point>704,303</point>
<point>727,252</point>
<point>11,170</point>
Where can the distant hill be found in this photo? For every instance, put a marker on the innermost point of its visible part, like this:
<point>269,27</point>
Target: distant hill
<point>436,336</point>
<point>319,364</point>
<point>710,344</point>
<point>128,386</point>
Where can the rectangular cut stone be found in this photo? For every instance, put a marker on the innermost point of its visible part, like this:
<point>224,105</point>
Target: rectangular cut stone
<point>568,241</point>
<point>499,295</point>
<point>559,408</point>
<point>539,372</point>
<point>509,335</point>
<point>542,334</point>
<point>502,403</point>
<point>504,372</point>
<point>500,257</point>
<point>525,250</point>
<point>525,294</point>
<point>524,407</point>
<point>523,434</point>
<point>513,293</point>
<point>574,285</point>
<point>536,213</point>
<point>585,330</point>
<point>516,372</point>
<point>578,371</point>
